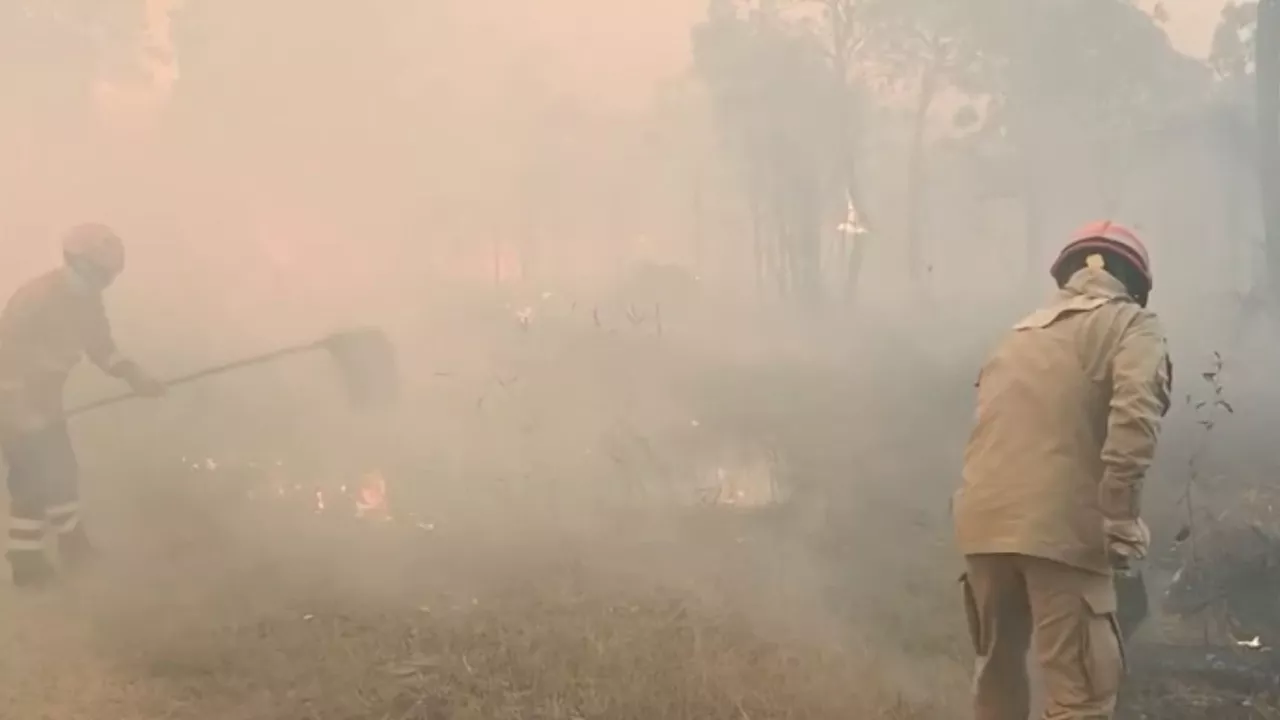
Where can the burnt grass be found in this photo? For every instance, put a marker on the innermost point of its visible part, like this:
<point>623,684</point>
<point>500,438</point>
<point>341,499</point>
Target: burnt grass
<point>543,589</point>
<point>1174,681</point>
<point>354,620</point>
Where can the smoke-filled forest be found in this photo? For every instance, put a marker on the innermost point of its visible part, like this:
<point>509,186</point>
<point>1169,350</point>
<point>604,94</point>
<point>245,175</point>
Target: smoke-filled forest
<point>687,301</point>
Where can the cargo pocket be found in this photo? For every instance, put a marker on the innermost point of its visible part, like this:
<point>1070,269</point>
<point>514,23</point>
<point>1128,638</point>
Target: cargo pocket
<point>973,621</point>
<point>1102,653</point>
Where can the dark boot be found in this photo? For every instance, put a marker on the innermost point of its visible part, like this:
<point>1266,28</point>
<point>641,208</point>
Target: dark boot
<point>75,551</point>
<point>31,569</point>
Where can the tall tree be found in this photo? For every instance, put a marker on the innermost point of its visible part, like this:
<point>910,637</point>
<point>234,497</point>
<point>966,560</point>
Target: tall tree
<point>1051,75</point>
<point>920,47</point>
<point>775,96</point>
<point>845,30</point>
<point>1232,53</point>
<point>1267,77</point>
<point>1245,56</point>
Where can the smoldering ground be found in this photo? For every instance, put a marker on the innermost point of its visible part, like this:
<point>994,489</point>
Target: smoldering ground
<point>612,489</point>
<point>575,526</point>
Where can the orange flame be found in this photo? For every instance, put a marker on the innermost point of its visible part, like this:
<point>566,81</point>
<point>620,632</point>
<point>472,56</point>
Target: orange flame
<point>371,498</point>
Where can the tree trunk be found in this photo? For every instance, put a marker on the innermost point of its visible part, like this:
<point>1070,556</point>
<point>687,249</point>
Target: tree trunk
<point>785,262</point>
<point>1268,107</point>
<point>697,221</point>
<point>804,228</point>
<point>1033,225</point>
<point>529,246</point>
<point>497,258</point>
<point>843,46</point>
<point>915,175</point>
<point>854,230</point>
<point>853,270</point>
<point>757,246</point>
<point>1237,244</point>
<point>1027,149</point>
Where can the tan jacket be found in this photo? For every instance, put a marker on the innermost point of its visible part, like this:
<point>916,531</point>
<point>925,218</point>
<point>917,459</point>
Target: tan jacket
<point>1069,409</point>
<point>48,325</point>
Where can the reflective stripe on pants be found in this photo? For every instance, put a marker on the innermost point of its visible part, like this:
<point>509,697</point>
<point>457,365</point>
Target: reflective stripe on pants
<point>26,534</point>
<point>43,486</point>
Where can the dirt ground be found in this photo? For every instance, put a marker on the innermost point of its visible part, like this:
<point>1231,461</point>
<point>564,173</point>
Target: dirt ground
<point>548,547</point>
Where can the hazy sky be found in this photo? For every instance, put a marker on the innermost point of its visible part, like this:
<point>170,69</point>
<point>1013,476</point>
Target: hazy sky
<point>602,49</point>
<point>1191,23</point>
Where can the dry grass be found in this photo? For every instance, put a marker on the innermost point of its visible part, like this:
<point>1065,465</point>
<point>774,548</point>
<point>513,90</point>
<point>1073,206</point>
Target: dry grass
<point>535,630</point>
<point>517,655</point>
<point>557,579</point>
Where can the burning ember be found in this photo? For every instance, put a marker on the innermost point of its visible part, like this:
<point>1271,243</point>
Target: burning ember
<point>371,498</point>
<point>366,498</point>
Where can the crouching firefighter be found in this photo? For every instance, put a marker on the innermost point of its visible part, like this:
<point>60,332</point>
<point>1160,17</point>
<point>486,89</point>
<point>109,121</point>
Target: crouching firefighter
<point>1069,408</point>
<point>45,329</point>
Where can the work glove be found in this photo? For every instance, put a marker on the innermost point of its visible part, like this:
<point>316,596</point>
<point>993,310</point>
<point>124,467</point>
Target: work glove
<point>142,383</point>
<point>1127,541</point>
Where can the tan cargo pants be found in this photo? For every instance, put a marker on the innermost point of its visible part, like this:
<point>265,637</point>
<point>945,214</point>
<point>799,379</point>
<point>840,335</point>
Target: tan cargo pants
<point>1013,601</point>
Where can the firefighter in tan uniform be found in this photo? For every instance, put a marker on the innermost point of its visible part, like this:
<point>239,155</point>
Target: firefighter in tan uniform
<point>1068,412</point>
<point>45,329</point>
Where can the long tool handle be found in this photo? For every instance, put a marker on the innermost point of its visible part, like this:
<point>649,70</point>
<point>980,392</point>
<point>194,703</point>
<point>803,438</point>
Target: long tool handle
<point>199,375</point>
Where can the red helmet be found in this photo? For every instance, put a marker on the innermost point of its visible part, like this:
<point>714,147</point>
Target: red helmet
<point>1106,235</point>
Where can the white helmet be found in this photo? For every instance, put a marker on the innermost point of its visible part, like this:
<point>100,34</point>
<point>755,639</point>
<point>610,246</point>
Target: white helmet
<point>96,246</point>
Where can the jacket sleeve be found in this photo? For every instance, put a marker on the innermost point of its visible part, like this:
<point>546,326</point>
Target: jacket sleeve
<point>1140,397</point>
<point>18,312</point>
<point>100,345</point>
<point>9,322</point>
